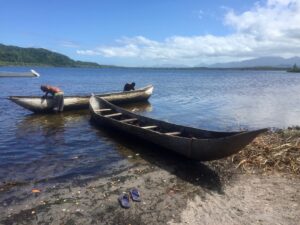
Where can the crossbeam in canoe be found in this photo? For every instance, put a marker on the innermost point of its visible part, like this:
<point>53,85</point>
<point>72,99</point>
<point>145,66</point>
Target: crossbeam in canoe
<point>149,127</point>
<point>128,120</point>
<point>173,133</point>
<point>113,115</point>
<point>102,110</point>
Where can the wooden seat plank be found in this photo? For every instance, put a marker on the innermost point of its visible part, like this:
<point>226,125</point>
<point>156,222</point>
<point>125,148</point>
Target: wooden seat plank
<point>128,120</point>
<point>173,133</point>
<point>113,115</point>
<point>102,110</point>
<point>149,127</point>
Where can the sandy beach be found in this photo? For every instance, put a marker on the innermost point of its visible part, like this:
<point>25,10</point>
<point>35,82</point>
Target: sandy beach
<point>173,191</point>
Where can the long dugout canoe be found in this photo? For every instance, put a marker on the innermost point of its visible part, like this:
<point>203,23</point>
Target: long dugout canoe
<point>191,142</point>
<point>32,73</point>
<point>38,104</point>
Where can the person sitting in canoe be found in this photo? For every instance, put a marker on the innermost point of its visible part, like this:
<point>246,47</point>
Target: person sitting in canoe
<point>129,87</point>
<point>57,94</point>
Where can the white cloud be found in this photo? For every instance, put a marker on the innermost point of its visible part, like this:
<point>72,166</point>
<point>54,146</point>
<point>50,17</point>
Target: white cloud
<point>265,30</point>
<point>69,44</point>
<point>281,2</point>
<point>270,22</point>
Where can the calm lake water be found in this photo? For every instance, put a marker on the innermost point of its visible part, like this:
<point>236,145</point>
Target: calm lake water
<point>35,148</point>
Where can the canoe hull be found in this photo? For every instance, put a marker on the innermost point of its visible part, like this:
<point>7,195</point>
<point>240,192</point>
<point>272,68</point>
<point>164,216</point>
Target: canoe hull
<point>211,146</point>
<point>32,73</point>
<point>42,105</point>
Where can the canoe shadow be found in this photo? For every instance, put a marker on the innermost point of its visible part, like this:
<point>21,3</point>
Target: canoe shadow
<point>192,171</point>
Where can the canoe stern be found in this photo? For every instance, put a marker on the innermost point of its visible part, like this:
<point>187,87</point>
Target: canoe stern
<point>213,149</point>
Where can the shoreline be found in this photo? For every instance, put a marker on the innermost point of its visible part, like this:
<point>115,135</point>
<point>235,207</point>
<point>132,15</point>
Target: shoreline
<point>283,69</point>
<point>173,190</point>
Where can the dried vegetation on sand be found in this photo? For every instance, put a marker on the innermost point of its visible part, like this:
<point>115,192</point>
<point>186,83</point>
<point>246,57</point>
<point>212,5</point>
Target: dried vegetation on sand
<point>273,151</point>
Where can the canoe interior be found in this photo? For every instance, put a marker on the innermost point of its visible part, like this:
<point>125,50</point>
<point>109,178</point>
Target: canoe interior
<point>191,142</point>
<point>105,109</point>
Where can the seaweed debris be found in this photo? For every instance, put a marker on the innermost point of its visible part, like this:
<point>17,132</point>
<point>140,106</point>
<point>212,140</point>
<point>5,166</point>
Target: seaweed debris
<point>275,151</point>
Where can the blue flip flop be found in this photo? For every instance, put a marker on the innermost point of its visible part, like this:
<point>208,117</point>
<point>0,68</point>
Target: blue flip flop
<point>124,201</point>
<point>135,195</point>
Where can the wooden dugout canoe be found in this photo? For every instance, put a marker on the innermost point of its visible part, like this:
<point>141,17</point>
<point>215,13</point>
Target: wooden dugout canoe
<point>191,142</point>
<point>32,73</point>
<point>38,104</point>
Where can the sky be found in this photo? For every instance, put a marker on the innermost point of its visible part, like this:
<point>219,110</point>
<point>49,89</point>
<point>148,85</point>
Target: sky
<point>156,32</point>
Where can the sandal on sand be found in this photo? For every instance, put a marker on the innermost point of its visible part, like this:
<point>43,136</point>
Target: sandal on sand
<point>124,201</point>
<point>135,194</point>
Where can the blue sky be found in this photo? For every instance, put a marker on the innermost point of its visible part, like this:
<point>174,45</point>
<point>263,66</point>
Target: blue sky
<point>147,33</point>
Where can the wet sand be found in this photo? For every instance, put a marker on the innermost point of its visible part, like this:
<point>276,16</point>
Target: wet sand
<point>173,191</point>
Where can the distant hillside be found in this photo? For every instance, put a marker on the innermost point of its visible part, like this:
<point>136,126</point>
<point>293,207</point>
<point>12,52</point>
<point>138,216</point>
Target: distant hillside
<point>263,62</point>
<point>12,55</point>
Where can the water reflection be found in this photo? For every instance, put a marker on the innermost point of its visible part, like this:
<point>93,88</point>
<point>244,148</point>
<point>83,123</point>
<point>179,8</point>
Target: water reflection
<point>49,123</point>
<point>139,107</point>
<point>59,146</point>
